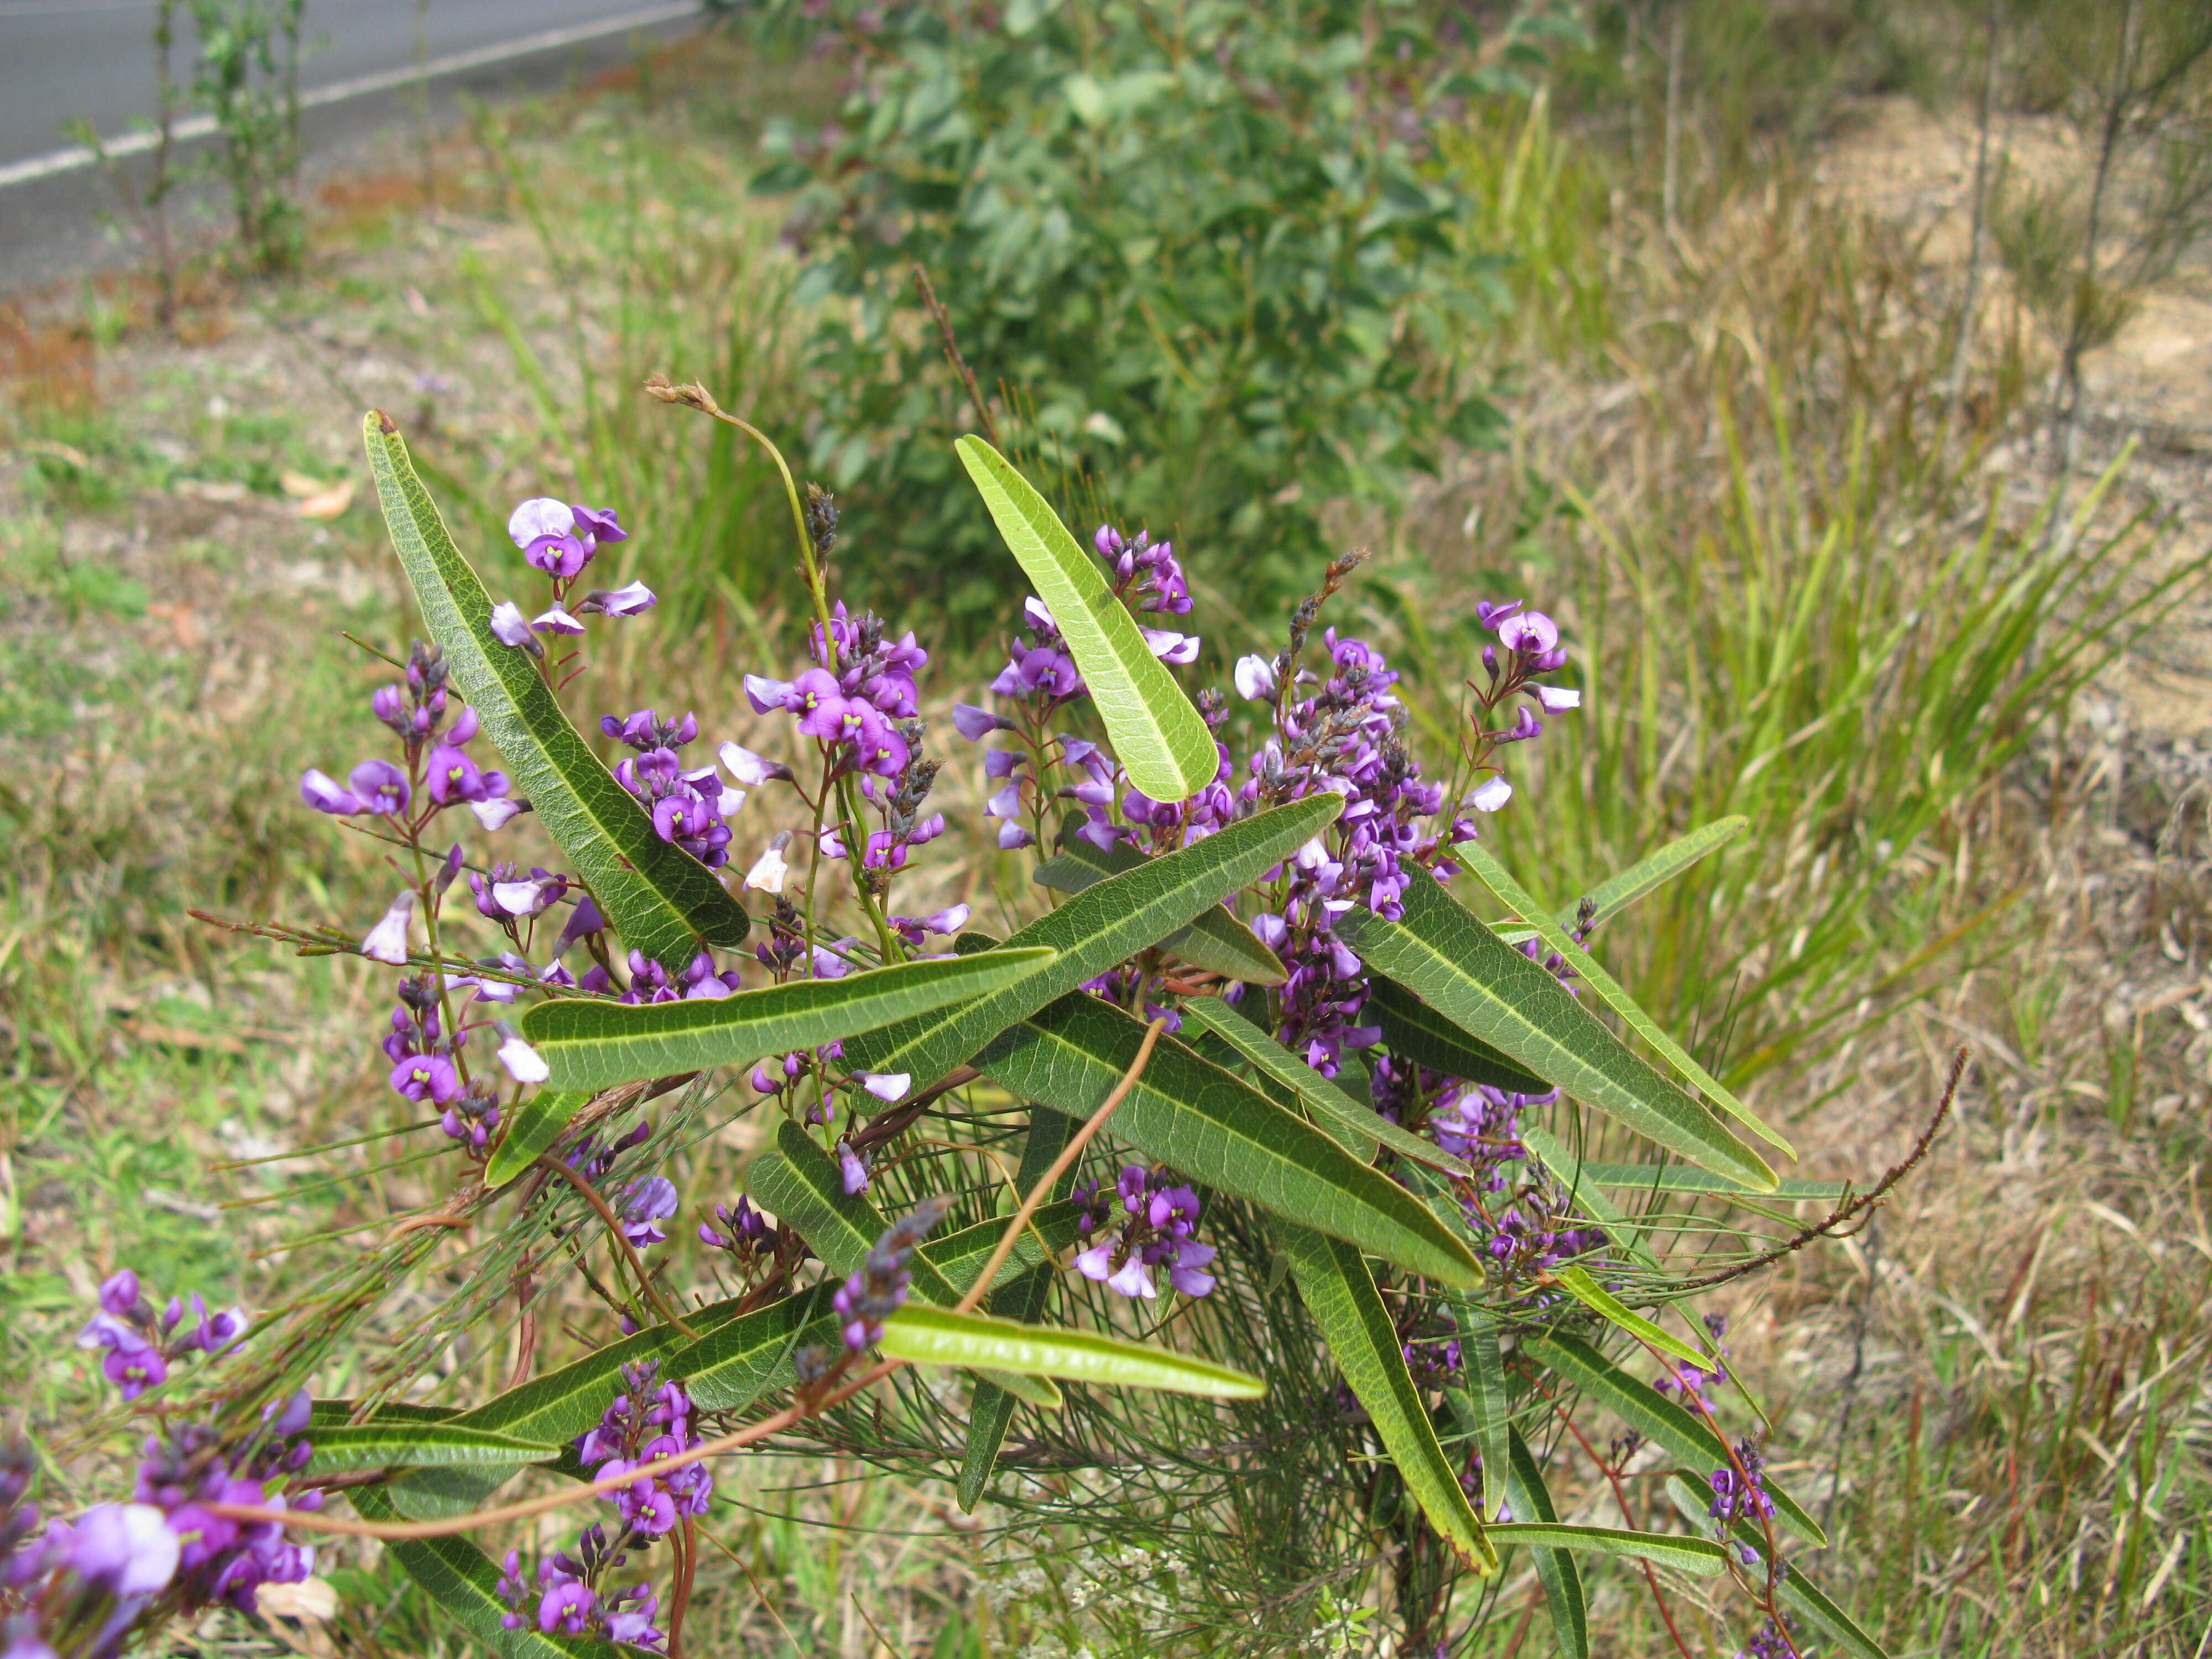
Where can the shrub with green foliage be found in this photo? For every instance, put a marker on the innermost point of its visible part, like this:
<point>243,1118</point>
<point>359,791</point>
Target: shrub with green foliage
<point>1195,257</point>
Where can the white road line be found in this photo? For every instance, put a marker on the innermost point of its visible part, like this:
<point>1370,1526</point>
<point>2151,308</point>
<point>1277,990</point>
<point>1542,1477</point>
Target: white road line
<point>199,126</point>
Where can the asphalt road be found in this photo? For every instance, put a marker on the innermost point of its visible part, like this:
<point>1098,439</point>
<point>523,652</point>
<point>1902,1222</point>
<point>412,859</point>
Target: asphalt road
<point>93,60</point>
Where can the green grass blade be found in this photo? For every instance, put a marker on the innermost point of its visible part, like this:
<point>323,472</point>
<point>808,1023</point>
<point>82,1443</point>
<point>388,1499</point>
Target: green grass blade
<point>595,1045</point>
<point>1494,875</point>
<point>1656,1417</point>
<point>1217,941</point>
<point>991,1408</point>
<point>1340,1292</point>
<point>1318,1094</point>
<point>1577,1283</point>
<point>937,1336</point>
<point>1220,1130</point>
<point>1555,1568</point>
<point>661,899</point>
<point>1096,929</point>
<point>1697,1555</point>
<point>419,1445</point>
<point>1489,989</point>
<point>1415,1031</point>
<point>1157,734</point>
<point>531,1128</point>
<point>1682,1178</point>
<point>1645,876</point>
<point>461,1579</point>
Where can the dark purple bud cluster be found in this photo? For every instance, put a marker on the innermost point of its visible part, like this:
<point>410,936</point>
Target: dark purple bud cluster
<point>139,1346</point>
<point>879,1290</point>
<point>1533,1234</point>
<point>1773,1640</point>
<point>222,1559</point>
<point>1435,1362</point>
<point>1143,570</point>
<point>427,1067</point>
<point>1157,1215</point>
<point>1739,1496</point>
<point>742,1231</point>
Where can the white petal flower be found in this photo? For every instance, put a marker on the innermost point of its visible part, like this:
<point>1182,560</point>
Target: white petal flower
<point>1171,647</point>
<point>510,627</point>
<point>1556,700</point>
<point>751,770</point>
<point>769,872</point>
<point>555,620</point>
<point>1493,794</point>
<point>496,814</point>
<point>1255,678</point>
<point>519,898</point>
<point>387,942</point>
<point>886,1085</point>
<point>524,1063</point>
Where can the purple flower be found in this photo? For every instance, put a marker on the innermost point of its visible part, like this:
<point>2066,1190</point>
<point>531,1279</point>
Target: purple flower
<point>1184,1274</point>
<point>751,770</point>
<point>387,942</point>
<point>1532,632</point>
<point>125,1548</point>
<point>1255,678</point>
<point>599,523</point>
<point>546,531</point>
<point>976,724</point>
<point>650,1200</point>
<point>1171,647</point>
<point>323,793</point>
<point>510,627</point>
<point>450,775</point>
<point>555,620</point>
<point>855,1168</point>
<point>624,601</point>
<point>428,1080</point>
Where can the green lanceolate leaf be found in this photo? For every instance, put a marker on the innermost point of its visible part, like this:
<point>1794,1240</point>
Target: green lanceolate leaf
<point>1555,1568</point>
<point>1797,1590</point>
<point>1217,941</point>
<point>732,1366</point>
<point>1494,875</point>
<point>1157,734</point>
<point>991,1408</point>
<point>461,1578</point>
<point>1098,929</point>
<point>960,1256</point>
<point>1614,896</point>
<point>561,1405</point>
<point>1415,1031</point>
<point>661,899</point>
<point>595,1045</point>
<point>1577,1283</point>
<point>1698,1555</point>
<point>532,1129</point>
<point>339,1414</point>
<point>797,1183</point>
<point>1656,1417</point>
<point>1489,989</point>
<point>420,1445</point>
<point>1318,1094</point>
<point>1490,1406</point>
<point>1220,1130</point>
<point>937,1336</point>
<point>1339,1293</point>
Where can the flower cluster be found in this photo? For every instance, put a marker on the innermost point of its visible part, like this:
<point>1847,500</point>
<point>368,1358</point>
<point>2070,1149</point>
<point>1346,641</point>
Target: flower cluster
<point>222,1559</point>
<point>1775,1639</point>
<point>647,1420</point>
<point>445,775</point>
<point>1145,571</point>
<point>649,1201</point>
<point>879,1290</point>
<point>140,1345</point>
<point>650,982</point>
<point>743,1232</point>
<point>1532,1235</point>
<point>690,809</point>
<point>568,1601</point>
<point>1042,668</point>
<point>559,539</point>
<point>856,698</point>
<point>1158,1214</point>
<point>427,1067</point>
<point>1687,1383</point>
<point>1738,1496</point>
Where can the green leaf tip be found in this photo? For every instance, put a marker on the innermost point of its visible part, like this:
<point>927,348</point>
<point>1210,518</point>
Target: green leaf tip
<point>1157,735</point>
